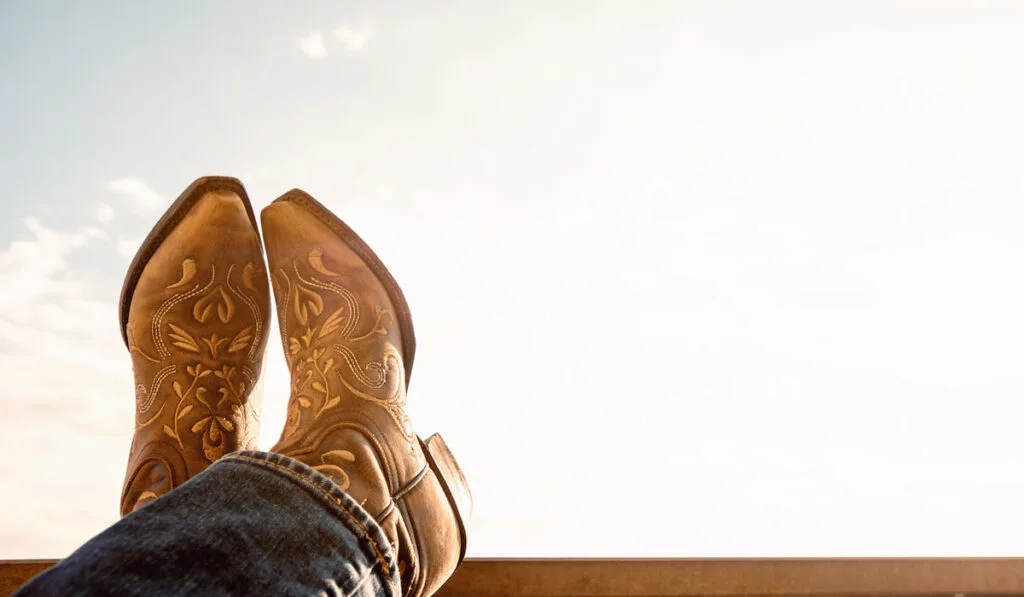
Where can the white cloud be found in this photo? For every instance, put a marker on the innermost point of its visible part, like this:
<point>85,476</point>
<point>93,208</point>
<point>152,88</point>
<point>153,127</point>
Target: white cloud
<point>103,213</point>
<point>31,269</point>
<point>66,377</point>
<point>128,246</point>
<point>49,299</point>
<point>353,38</point>
<point>313,46</point>
<point>137,191</point>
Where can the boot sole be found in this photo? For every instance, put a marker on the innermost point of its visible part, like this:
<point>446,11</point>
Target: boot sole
<point>174,215</point>
<point>363,250</point>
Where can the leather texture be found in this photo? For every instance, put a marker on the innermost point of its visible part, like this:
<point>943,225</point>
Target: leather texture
<point>195,313</point>
<point>347,338</point>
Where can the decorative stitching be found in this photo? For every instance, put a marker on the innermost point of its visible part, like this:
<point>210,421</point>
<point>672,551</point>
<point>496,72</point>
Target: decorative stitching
<point>168,305</point>
<point>344,293</point>
<point>353,363</point>
<point>359,246</point>
<point>217,422</point>
<point>256,313</point>
<point>312,390</point>
<point>150,394</point>
<point>335,471</point>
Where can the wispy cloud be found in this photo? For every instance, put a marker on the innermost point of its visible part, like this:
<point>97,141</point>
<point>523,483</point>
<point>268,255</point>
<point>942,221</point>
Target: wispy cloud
<point>312,45</point>
<point>33,267</point>
<point>65,376</point>
<point>353,38</point>
<point>52,321</point>
<point>103,213</point>
<point>137,191</point>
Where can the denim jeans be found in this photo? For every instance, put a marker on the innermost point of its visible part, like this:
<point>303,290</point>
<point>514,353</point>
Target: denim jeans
<point>254,523</point>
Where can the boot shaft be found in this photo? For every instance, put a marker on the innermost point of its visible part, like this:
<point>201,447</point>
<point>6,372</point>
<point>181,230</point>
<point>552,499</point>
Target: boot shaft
<point>348,341</point>
<point>195,309</point>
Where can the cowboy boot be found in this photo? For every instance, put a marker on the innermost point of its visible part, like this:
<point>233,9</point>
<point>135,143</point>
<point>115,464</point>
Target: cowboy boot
<point>194,314</point>
<point>349,344</point>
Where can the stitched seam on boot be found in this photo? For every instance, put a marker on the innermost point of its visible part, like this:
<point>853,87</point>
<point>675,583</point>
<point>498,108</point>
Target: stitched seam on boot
<point>334,500</point>
<point>413,483</point>
<point>382,516</point>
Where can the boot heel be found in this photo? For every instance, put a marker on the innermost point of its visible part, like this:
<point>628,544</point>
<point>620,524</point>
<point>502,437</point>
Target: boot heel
<point>450,476</point>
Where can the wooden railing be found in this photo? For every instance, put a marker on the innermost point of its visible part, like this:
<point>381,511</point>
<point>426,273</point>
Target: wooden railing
<point>825,577</point>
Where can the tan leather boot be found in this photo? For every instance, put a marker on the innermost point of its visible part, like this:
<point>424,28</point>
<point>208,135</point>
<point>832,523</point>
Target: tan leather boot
<point>349,344</point>
<point>194,314</point>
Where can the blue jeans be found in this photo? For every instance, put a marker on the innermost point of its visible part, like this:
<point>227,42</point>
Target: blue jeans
<point>254,523</point>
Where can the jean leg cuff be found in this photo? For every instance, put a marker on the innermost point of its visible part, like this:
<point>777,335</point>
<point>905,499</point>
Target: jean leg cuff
<point>358,520</point>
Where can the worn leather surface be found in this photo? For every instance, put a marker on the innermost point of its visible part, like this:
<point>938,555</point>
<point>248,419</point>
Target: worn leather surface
<point>196,332</point>
<point>347,414</point>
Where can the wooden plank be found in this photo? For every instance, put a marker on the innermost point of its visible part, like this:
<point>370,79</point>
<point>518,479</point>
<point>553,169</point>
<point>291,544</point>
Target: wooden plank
<point>14,573</point>
<point>825,577</point>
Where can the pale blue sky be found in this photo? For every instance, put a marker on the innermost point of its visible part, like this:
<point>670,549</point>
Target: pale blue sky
<point>742,272</point>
